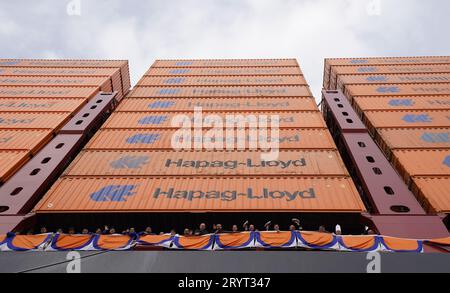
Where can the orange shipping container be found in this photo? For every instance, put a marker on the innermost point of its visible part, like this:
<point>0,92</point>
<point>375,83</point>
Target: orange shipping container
<point>263,91</point>
<point>363,104</point>
<point>114,139</point>
<point>226,63</point>
<point>58,71</point>
<point>62,63</point>
<point>192,163</point>
<point>336,71</point>
<point>11,161</point>
<point>55,81</point>
<point>142,120</point>
<point>18,120</point>
<point>40,105</point>
<point>366,65</point>
<point>113,74</point>
<point>407,119</point>
<point>433,193</point>
<point>122,64</point>
<point>29,140</point>
<point>413,138</point>
<point>345,80</point>
<point>385,60</point>
<point>421,163</point>
<point>279,80</point>
<point>398,90</point>
<point>224,71</point>
<point>218,104</point>
<point>209,194</point>
<point>48,92</point>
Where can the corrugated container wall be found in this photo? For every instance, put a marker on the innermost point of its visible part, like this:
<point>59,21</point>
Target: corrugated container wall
<point>122,64</point>
<point>38,97</point>
<point>216,105</point>
<point>144,159</point>
<point>227,71</point>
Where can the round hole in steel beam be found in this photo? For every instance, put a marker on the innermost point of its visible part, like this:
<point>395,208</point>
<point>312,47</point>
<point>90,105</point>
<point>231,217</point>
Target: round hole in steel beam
<point>3,209</point>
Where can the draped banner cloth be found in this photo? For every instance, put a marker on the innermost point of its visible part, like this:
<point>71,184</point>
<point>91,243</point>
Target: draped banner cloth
<point>230,241</point>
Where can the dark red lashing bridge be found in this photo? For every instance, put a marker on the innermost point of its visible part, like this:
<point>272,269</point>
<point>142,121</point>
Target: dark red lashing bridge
<point>393,209</point>
<point>19,194</point>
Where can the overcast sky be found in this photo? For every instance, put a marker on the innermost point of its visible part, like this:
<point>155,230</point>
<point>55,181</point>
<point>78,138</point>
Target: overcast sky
<point>142,31</point>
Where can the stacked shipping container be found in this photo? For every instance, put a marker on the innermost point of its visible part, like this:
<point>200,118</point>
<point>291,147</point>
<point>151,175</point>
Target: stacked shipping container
<point>37,97</point>
<point>131,166</point>
<point>405,103</point>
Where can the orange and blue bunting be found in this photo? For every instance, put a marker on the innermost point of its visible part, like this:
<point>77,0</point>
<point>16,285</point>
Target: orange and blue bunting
<point>63,242</point>
<point>235,241</point>
<point>204,242</point>
<point>230,241</point>
<point>165,240</point>
<point>273,239</point>
<point>28,242</point>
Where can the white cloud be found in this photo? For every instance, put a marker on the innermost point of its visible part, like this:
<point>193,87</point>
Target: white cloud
<point>143,31</point>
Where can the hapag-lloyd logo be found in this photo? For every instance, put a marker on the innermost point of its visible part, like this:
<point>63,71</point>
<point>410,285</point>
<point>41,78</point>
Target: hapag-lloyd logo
<point>5,139</point>
<point>14,121</point>
<point>232,195</point>
<point>233,129</point>
<point>10,63</point>
<point>120,193</point>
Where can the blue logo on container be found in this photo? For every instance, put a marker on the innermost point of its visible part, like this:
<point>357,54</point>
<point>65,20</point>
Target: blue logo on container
<point>161,105</point>
<point>412,118</point>
<point>149,138</point>
<point>179,71</point>
<point>184,63</point>
<point>398,103</point>
<point>388,89</point>
<point>176,80</point>
<point>367,69</point>
<point>379,78</point>
<point>155,120</point>
<point>165,92</point>
<point>359,61</point>
<point>9,63</point>
<point>447,161</point>
<point>130,162</point>
<point>443,137</point>
<point>113,193</point>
